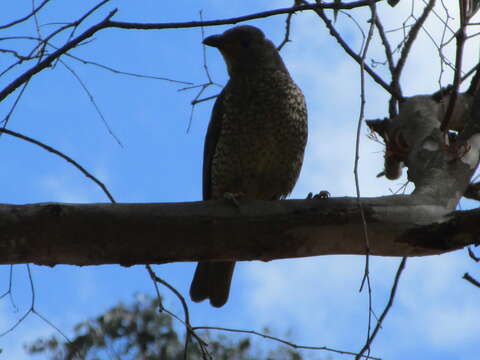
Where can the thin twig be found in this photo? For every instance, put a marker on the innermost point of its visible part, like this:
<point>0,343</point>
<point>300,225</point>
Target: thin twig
<point>285,342</point>
<point>92,100</point>
<point>198,101</point>
<point>410,39</point>
<point>52,57</point>
<point>32,310</point>
<point>355,56</point>
<point>189,330</point>
<point>20,58</point>
<point>202,87</point>
<point>155,278</point>
<point>286,38</point>
<point>35,18</point>
<point>9,291</point>
<point>238,19</point>
<point>443,43</point>
<point>392,108</point>
<point>386,43</point>
<point>120,72</point>
<point>108,23</point>
<point>63,156</point>
<point>443,58</point>
<point>204,51</point>
<point>86,15</point>
<point>471,280</point>
<point>366,277</point>
<point>74,24</point>
<point>26,17</point>
<point>457,76</point>
<point>472,255</point>
<point>442,20</point>
<point>83,61</point>
<point>6,119</point>
<point>386,310</point>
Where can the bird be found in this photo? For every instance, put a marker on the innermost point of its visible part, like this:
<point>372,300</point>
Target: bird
<point>255,140</point>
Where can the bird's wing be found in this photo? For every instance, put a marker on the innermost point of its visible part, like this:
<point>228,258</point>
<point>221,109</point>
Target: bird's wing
<point>211,140</point>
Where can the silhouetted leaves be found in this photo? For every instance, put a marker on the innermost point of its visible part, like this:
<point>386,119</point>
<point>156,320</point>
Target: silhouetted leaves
<point>139,331</point>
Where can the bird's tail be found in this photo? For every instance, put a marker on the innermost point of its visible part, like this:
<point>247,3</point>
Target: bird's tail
<point>212,281</point>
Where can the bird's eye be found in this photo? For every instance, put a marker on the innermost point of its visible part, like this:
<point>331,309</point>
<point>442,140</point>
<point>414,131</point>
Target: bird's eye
<point>245,44</point>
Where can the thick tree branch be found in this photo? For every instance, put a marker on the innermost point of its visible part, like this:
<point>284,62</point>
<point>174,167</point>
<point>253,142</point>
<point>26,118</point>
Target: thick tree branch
<point>289,10</point>
<point>128,234</point>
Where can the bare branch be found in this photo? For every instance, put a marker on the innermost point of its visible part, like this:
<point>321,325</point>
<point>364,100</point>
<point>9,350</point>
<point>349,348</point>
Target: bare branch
<point>108,23</point>
<point>24,316</point>
<point>461,38</point>
<point>189,330</point>
<point>391,65</point>
<point>63,156</point>
<point>286,38</point>
<point>34,311</point>
<point>6,119</point>
<point>355,56</point>
<point>19,57</point>
<point>92,234</point>
<point>52,57</point>
<point>201,87</point>
<point>75,24</point>
<point>472,255</point>
<point>285,342</point>
<point>471,280</point>
<point>385,311</point>
<point>235,20</point>
<point>386,44</point>
<point>86,15</point>
<point>9,290</point>
<point>412,35</point>
<point>26,17</point>
<point>92,100</point>
<point>121,72</point>
<point>35,18</point>
<point>366,277</point>
<point>198,101</point>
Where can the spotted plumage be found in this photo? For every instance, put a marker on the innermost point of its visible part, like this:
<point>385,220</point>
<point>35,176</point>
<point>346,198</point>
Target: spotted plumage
<point>255,140</point>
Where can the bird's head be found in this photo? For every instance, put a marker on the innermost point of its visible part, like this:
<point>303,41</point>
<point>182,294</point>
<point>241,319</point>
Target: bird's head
<point>246,49</point>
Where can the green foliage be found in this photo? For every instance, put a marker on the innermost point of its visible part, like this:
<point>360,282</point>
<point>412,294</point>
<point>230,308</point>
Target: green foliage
<point>140,331</point>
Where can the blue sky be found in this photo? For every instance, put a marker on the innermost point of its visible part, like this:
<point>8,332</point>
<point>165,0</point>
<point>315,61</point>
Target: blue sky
<point>315,300</point>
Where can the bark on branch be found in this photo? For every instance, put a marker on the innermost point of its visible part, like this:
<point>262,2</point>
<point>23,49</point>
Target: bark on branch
<point>128,234</point>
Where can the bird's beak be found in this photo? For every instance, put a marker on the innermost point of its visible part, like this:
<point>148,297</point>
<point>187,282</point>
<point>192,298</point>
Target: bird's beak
<point>214,41</point>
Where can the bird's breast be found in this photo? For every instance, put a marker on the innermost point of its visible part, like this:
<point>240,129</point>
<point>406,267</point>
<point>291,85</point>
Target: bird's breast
<point>264,132</point>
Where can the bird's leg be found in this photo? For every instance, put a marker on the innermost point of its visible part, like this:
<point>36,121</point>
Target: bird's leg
<point>324,194</point>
